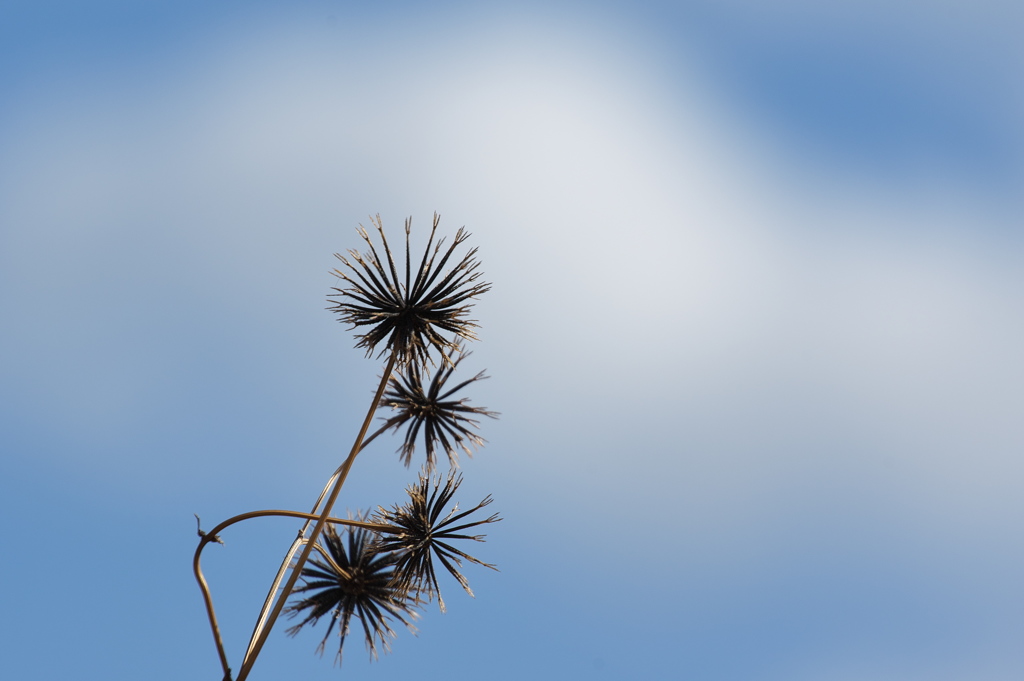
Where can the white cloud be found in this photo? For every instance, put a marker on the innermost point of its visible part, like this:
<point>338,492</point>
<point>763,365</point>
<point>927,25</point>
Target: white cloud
<point>642,255</point>
<point>755,375</point>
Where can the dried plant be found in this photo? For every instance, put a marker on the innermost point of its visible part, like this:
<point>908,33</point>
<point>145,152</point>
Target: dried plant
<point>380,571</point>
<point>411,315</point>
<point>441,419</point>
<point>354,582</point>
<point>418,533</point>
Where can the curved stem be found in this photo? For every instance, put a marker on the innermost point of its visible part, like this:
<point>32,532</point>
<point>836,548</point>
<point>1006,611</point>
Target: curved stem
<point>205,588</point>
<point>208,600</point>
<point>342,474</point>
<point>261,620</point>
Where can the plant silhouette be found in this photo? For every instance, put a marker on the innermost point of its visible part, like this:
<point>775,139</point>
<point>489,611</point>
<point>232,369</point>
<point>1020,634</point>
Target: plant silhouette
<point>379,570</point>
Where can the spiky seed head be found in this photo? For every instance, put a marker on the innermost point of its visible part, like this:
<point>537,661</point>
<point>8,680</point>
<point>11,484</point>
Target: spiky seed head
<point>427,308</point>
<point>353,582</point>
<point>420,532</point>
<point>445,422</point>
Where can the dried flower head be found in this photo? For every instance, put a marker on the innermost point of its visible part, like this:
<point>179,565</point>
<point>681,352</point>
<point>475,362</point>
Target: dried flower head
<point>415,314</point>
<point>419,533</point>
<point>443,421</point>
<point>358,582</point>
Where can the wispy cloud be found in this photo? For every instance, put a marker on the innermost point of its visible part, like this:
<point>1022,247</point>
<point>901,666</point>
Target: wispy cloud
<point>773,358</point>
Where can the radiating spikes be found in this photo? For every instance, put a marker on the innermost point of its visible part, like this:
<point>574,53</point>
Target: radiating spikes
<point>417,533</point>
<point>427,311</point>
<point>411,315</point>
<point>353,582</point>
<point>445,423</point>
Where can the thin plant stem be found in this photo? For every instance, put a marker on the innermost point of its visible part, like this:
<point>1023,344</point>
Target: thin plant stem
<point>257,645</point>
<point>299,541</point>
<point>334,477</point>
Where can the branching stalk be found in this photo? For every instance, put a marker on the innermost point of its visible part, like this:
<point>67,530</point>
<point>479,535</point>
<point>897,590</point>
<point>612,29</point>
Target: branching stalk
<point>299,541</point>
<point>322,520</point>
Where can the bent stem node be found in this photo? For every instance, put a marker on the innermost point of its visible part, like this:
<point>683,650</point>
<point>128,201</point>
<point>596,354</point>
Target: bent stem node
<point>209,537</point>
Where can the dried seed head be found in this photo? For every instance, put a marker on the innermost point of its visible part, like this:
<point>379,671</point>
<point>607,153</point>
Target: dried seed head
<point>431,410</point>
<point>354,583</point>
<point>420,533</point>
<point>411,314</point>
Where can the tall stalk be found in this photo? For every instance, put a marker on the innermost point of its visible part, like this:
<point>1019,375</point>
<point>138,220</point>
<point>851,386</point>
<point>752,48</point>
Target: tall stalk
<point>301,539</point>
<point>286,591</point>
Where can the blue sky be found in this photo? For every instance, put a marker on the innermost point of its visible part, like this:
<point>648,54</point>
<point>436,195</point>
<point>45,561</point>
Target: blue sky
<point>754,334</point>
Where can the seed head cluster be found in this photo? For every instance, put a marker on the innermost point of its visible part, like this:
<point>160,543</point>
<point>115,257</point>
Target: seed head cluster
<point>384,571</point>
